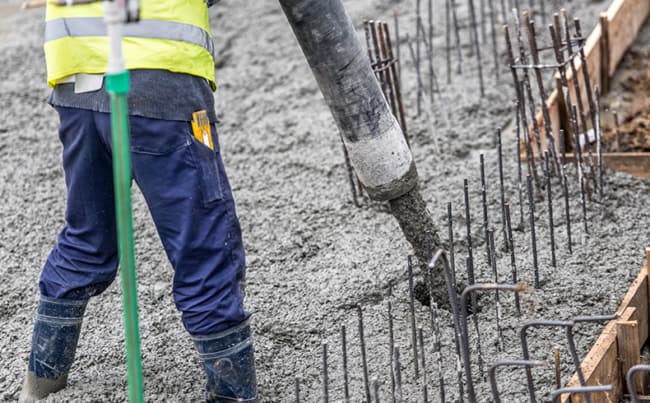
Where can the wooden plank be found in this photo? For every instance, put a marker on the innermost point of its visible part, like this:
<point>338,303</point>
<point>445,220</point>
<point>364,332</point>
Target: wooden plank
<point>626,17</point>
<point>627,344</point>
<point>637,164</point>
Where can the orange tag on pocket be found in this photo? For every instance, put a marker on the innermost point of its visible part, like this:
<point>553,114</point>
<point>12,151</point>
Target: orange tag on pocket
<point>201,128</point>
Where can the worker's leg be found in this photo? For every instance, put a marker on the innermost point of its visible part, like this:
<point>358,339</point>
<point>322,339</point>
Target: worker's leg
<point>187,191</point>
<point>82,263</point>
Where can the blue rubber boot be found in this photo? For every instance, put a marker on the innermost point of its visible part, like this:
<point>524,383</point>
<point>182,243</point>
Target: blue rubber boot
<point>229,363</point>
<point>54,342</point>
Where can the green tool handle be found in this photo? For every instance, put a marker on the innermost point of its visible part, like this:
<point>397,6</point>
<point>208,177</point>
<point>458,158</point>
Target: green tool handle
<point>117,85</point>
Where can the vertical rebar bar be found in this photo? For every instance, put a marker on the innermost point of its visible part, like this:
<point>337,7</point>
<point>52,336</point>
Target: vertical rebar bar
<point>533,240</point>
<point>558,368</point>
<point>486,219</point>
<point>501,186</point>
<point>476,45</point>
<point>414,343</point>
<point>459,55</point>
<point>391,342</point>
<point>567,212</point>
<point>423,364</point>
<point>551,226</point>
<point>435,329</point>
<point>366,380</point>
<point>599,147</point>
<point>450,226</point>
<point>513,261</point>
<point>495,275</point>
<point>448,39</point>
<point>398,376</point>
<point>326,394</point>
<point>344,350</point>
<point>296,388</point>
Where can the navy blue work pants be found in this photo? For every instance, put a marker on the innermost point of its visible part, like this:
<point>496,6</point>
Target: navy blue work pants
<point>187,191</point>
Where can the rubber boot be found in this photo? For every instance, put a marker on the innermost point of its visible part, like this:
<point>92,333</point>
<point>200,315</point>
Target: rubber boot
<point>229,363</point>
<point>54,342</point>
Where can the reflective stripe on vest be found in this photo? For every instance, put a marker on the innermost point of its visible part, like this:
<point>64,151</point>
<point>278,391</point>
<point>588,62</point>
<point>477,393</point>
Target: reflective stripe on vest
<point>153,29</point>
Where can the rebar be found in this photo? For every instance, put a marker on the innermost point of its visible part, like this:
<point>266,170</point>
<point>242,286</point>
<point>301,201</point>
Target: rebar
<point>435,328</point>
<point>326,394</point>
<point>513,261</point>
<point>526,95</point>
<point>558,369</point>
<point>599,147</point>
<point>524,347</point>
<point>414,343</point>
<point>464,333</point>
<point>391,341</point>
<point>486,219</point>
<point>344,350</point>
<point>417,58</point>
<point>430,48</point>
<point>453,302</point>
<point>397,85</point>
<point>567,212</point>
<point>375,387</point>
<point>533,239</point>
<point>548,130</point>
<point>551,225</point>
<point>519,173</point>
<point>476,45</point>
<point>631,385</point>
<point>617,141</point>
<point>520,110</point>
<point>398,375</point>
<point>397,47</point>
<point>450,226</point>
<point>493,35</point>
<point>296,389</point>
<point>585,72</point>
<point>364,360</point>
<point>497,304</point>
<point>555,395</point>
<point>459,56</point>
<point>581,175</point>
<point>493,378</point>
<point>417,71</point>
<point>423,364</point>
<point>501,186</point>
<point>468,218</point>
<point>448,39</point>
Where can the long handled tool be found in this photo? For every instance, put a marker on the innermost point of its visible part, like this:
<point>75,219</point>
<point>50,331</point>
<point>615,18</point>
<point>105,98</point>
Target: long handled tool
<point>117,13</point>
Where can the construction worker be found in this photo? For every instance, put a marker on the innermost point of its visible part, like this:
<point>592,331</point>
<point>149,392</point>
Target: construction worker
<point>171,58</point>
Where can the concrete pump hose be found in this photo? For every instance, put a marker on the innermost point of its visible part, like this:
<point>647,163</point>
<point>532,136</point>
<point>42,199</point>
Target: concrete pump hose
<point>378,151</point>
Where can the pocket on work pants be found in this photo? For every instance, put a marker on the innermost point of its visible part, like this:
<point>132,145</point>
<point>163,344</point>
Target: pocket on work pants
<point>206,161</point>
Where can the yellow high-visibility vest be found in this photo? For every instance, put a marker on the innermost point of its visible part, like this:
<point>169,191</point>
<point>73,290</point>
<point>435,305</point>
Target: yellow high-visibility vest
<point>172,35</point>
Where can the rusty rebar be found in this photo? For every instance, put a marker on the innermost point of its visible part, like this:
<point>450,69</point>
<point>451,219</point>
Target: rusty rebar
<point>551,225</point>
<point>325,374</point>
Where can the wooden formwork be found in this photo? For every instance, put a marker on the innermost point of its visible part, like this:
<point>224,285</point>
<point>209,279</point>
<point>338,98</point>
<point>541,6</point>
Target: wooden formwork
<point>619,345</point>
<point>604,49</point>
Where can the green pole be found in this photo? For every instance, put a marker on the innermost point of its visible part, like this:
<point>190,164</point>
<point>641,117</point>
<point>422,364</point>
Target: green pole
<point>117,85</point>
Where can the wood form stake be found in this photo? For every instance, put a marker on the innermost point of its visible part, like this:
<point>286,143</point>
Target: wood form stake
<point>627,340</point>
